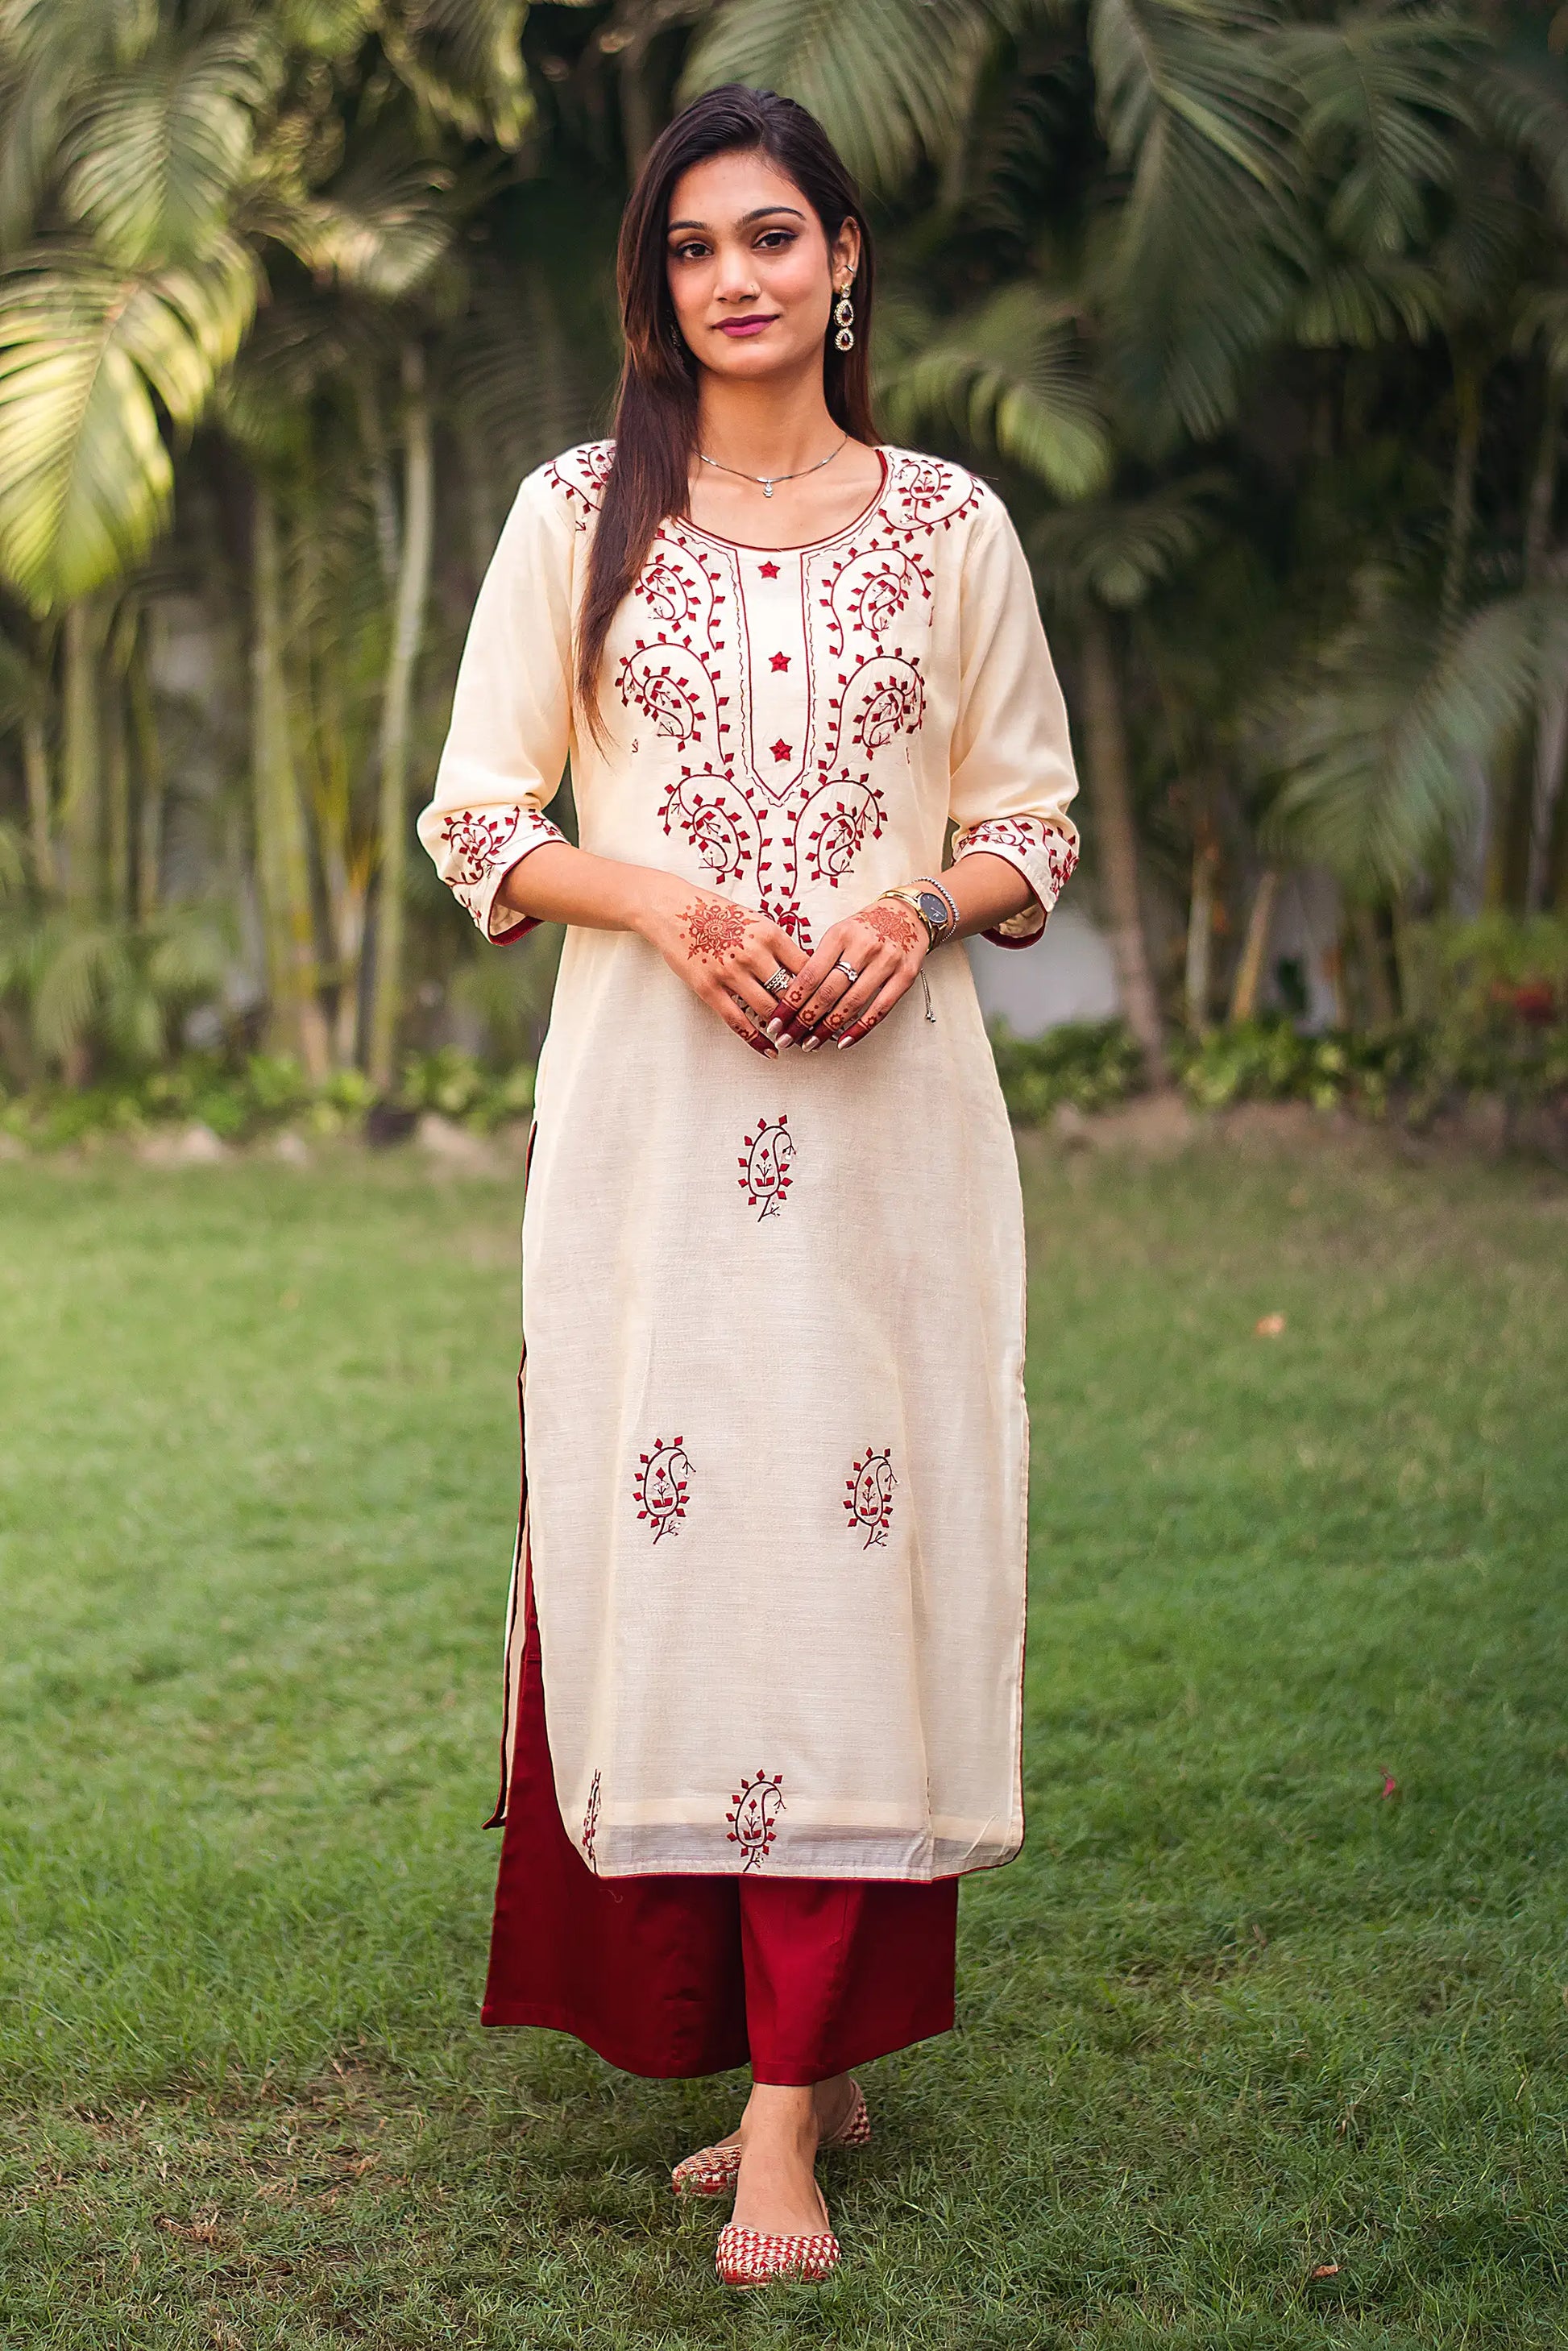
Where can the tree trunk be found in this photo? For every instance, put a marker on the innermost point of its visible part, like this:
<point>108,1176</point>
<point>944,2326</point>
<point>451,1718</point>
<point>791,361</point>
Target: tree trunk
<point>117,797</point>
<point>1522,771</point>
<point>1550,731</point>
<point>1374,969</point>
<point>283,862</point>
<point>408,627</point>
<point>150,773</point>
<point>1249,981</point>
<point>1200,933</point>
<point>36,767</point>
<point>1116,840</point>
<point>383,505</point>
<point>1462,497</point>
<point>79,815</point>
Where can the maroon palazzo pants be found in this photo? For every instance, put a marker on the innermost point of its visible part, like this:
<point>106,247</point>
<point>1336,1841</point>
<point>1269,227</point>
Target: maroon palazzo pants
<point>803,1978</point>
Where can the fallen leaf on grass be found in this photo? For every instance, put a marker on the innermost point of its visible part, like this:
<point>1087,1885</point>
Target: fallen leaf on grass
<point>199,2232</point>
<point>1326,2269</point>
<point>1268,1326</point>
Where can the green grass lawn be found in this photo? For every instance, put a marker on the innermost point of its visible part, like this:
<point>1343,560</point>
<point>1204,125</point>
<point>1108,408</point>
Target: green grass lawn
<point>1238,2017</point>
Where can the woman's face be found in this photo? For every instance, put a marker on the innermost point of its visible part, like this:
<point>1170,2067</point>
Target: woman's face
<point>750,272</point>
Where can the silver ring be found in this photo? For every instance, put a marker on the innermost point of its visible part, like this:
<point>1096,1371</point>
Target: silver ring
<point>778,983</point>
<point>850,973</point>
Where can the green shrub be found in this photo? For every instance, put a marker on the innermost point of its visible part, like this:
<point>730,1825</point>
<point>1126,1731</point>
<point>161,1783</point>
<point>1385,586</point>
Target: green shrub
<point>1089,1064</point>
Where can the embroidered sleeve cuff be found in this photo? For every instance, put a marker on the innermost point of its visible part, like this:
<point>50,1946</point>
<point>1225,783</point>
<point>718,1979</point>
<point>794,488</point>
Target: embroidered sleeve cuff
<point>477,848</point>
<point>1044,853</point>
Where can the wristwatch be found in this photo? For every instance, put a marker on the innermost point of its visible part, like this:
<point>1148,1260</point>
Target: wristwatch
<point>933,905</point>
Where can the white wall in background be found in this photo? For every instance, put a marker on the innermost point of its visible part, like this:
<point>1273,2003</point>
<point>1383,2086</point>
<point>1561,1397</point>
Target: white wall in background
<point>1068,975</point>
<point>1306,928</point>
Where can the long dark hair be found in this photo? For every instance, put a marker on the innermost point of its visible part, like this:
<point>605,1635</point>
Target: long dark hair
<point>657,407</point>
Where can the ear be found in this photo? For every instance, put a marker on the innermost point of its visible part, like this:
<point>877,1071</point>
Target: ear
<point>844,254</point>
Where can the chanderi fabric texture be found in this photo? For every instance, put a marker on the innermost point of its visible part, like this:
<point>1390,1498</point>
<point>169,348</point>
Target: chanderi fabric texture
<point>775,1438</point>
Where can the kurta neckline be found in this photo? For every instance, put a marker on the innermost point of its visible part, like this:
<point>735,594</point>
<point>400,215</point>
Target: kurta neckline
<point>804,545</point>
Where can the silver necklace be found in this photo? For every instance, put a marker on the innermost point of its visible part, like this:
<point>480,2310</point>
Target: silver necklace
<point>765,481</point>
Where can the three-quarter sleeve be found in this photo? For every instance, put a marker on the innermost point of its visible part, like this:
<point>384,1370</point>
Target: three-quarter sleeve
<point>511,716</point>
<point>1013,776</point>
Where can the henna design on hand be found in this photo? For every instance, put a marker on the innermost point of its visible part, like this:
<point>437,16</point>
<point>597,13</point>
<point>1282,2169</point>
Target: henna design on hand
<point>895,924</point>
<point>714,929</point>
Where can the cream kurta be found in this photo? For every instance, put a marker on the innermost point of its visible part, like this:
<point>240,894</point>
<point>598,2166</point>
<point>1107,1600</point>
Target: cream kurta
<point>776,1446</point>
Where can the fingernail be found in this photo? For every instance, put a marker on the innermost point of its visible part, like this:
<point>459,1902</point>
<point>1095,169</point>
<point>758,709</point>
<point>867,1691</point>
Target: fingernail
<point>811,1045</point>
<point>775,1030</point>
<point>784,1040</point>
<point>847,1040</point>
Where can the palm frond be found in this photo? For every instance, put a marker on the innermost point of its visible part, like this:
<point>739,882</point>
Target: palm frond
<point>1526,100</point>
<point>1383,749</point>
<point>1211,240</point>
<point>382,228</point>
<point>1542,319</point>
<point>1114,551</point>
<point>85,477</point>
<point>463,60</point>
<point>51,51</point>
<point>516,380</point>
<point>1363,304</point>
<point>1011,376</point>
<point>1382,94</point>
<point>153,157</point>
<point>326,29</point>
<point>124,982</point>
<point>890,81</point>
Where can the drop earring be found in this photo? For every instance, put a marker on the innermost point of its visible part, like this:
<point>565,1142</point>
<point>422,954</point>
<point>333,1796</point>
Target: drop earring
<point>845,313</point>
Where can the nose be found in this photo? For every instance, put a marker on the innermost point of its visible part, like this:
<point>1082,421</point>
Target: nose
<point>736,280</point>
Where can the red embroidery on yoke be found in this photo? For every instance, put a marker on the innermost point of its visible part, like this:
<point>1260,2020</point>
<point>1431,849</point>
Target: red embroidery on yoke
<point>661,1486</point>
<point>758,1803</point>
<point>764,1165</point>
<point>869,1495</point>
<point>759,821</point>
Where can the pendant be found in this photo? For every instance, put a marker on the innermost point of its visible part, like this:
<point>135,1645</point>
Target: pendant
<point>768,489</point>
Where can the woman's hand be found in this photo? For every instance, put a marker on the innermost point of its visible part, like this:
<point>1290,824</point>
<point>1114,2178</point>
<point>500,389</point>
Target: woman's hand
<point>723,951</point>
<point>885,944</point>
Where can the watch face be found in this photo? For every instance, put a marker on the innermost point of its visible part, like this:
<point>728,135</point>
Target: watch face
<point>935,910</point>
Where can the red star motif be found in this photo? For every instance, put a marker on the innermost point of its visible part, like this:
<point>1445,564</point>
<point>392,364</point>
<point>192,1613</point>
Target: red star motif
<point>780,661</point>
<point>781,749</point>
<point>769,570</point>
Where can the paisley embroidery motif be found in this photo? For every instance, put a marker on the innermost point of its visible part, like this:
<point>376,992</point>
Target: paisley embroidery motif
<point>849,811</point>
<point>661,1486</point>
<point>764,1165</point>
<point>750,814</point>
<point>753,1820</point>
<point>869,1495</point>
<point>720,828</point>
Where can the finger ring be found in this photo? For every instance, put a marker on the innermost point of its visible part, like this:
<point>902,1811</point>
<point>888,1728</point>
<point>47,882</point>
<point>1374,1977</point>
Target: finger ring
<point>778,983</point>
<point>850,973</point>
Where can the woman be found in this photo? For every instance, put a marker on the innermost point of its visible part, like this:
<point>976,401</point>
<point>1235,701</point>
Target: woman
<point>766,1626</point>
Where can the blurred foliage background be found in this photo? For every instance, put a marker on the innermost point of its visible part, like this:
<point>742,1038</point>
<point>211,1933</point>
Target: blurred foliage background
<point>1256,312</point>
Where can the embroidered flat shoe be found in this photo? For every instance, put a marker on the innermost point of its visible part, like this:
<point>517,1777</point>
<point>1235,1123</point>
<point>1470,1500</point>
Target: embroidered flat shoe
<point>713,2170</point>
<point>747,2257</point>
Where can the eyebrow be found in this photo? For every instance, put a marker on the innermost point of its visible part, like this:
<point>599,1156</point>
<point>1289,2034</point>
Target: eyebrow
<point>745,219</point>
